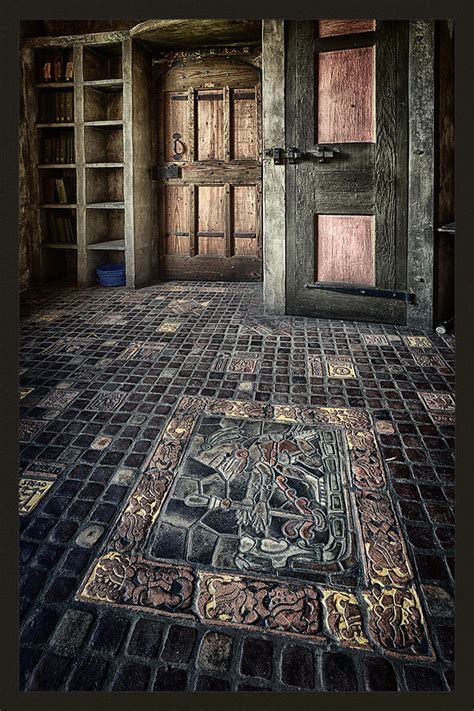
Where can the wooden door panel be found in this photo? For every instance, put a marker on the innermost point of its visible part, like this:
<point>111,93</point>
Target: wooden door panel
<point>176,214</point>
<point>244,125</point>
<point>345,249</point>
<point>176,120</point>
<point>211,220</point>
<point>347,214</point>
<point>334,28</point>
<point>345,82</point>
<point>210,125</point>
<point>211,201</point>
<point>244,210</point>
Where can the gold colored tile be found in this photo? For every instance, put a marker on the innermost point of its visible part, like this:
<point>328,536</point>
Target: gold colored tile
<point>417,341</point>
<point>31,493</point>
<point>169,327</point>
<point>340,368</point>
<point>344,619</point>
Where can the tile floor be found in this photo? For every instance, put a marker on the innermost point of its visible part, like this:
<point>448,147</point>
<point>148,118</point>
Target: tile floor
<point>215,499</point>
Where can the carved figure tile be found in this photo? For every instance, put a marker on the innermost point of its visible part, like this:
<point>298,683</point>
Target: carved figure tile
<point>344,619</point>
<point>340,367</point>
<point>315,367</point>
<point>396,622</point>
<point>367,468</point>
<point>386,555</point>
<point>59,398</point>
<point>169,327</point>
<point>31,493</point>
<point>374,339</point>
<point>443,402</point>
<point>107,401</point>
<point>130,581</point>
<point>431,360</point>
<point>249,602</point>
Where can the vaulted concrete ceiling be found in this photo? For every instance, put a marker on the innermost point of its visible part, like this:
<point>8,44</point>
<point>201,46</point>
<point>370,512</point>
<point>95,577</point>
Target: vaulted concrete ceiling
<point>190,34</point>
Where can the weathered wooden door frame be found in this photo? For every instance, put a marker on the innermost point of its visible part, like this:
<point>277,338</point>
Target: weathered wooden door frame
<point>420,170</point>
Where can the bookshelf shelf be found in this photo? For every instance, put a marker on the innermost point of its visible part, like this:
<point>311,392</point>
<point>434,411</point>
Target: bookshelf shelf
<point>105,84</point>
<point>55,85</point>
<point>59,205</point>
<point>53,245</point>
<point>113,244</point>
<point>56,166</point>
<point>103,124</point>
<point>105,165</point>
<point>62,124</point>
<point>105,205</point>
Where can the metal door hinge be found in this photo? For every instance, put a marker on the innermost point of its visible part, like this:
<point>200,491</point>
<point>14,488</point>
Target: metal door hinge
<point>167,171</point>
<point>406,296</point>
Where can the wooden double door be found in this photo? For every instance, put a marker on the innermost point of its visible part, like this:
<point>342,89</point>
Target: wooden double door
<point>210,171</point>
<point>346,189</point>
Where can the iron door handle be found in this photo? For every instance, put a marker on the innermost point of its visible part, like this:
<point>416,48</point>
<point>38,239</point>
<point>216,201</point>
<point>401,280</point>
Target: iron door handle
<point>177,139</point>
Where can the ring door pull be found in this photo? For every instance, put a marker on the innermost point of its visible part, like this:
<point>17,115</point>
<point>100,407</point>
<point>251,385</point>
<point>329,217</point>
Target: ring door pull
<point>177,139</point>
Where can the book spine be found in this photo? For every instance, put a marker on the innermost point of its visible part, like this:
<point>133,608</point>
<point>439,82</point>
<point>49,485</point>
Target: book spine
<point>57,66</point>
<point>69,110</point>
<point>69,71</point>
<point>62,107</point>
<point>71,230</point>
<point>47,68</point>
<point>61,190</point>
<point>57,115</point>
<point>52,232</point>
<point>41,111</point>
<point>60,228</point>
<point>62,148</point>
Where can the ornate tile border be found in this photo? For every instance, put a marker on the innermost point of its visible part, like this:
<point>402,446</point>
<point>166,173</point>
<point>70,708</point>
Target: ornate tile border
<point>386,614</point>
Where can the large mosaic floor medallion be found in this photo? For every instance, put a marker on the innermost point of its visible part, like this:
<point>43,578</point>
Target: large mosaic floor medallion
<point>275,517</point>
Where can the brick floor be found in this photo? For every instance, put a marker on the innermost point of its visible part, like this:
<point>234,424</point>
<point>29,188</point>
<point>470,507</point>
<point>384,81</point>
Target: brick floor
<point>206,592</point>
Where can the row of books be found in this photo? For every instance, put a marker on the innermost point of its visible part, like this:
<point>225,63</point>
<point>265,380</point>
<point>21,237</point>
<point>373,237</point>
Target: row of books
<point>54,66</point>
<point>61,228</point>
<point>56,107</point>
<point>59,190</point>
<point>58,149</point>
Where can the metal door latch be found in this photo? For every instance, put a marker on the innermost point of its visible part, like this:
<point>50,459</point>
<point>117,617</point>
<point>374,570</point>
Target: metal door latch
<point>279,155</point>
<point>323,152</point>
<point>293,154</point>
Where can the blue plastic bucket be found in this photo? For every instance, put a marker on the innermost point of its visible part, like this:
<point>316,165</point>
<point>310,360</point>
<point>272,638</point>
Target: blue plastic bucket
<point>111,275</point>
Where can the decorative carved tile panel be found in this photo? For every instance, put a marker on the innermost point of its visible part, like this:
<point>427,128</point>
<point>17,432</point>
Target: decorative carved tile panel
<point>264,517</point>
